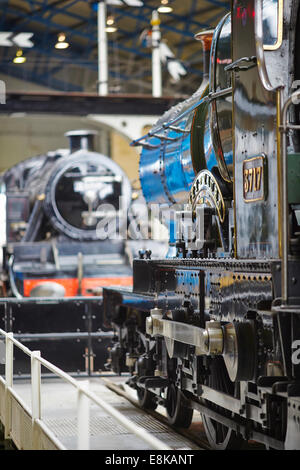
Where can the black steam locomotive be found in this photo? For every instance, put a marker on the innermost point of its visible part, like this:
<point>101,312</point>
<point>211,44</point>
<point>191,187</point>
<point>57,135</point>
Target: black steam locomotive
<point>54,204</point>
<point>215,326</point>
<point>55,260</point>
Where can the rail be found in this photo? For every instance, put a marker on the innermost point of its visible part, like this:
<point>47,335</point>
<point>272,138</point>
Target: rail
<point>84,395</point>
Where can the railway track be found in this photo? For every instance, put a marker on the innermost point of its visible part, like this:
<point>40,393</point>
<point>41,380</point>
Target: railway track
<point>194,434</point>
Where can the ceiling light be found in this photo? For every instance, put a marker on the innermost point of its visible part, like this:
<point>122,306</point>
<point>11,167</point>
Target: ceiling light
<point>61,45</point>
<point>164,7</point>
<point>110,20</point>
<point>19,59</point>
<point>111,29</point>
<point>61,42</point>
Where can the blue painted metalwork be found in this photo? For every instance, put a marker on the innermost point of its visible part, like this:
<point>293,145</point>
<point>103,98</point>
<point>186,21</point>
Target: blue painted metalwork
<point>166,169</point>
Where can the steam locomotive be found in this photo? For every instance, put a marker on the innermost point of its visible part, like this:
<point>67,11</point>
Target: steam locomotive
<point>55,262</point>
<point>54,205</point>
<point>215,325</point>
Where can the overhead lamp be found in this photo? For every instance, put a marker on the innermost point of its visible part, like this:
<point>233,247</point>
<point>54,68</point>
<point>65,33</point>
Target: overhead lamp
<point>110,28</point>
<point>110,20</point>
<point>164,7</point>
<point>61,42</point>
<point>19,59</point>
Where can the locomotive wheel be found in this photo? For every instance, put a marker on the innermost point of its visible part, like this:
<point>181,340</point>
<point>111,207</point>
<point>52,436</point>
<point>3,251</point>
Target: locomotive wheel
<point>177,412</point>
<point>219,436</point>
<point>146,399</point>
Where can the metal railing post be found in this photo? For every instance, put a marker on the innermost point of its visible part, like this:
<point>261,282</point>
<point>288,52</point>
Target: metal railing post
<point>35,396</point>
<point>9,371</point>
<point>83,417</point>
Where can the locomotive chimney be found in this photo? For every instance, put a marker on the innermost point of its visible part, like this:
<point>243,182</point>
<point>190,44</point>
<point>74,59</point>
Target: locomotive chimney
<point>81,140</point>
<point>206,38</point>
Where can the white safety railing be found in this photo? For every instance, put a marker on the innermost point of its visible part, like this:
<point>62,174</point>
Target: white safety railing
<point>84,395</point>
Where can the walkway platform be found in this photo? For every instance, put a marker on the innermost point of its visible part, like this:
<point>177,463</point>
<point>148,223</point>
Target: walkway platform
<point>59,414</point>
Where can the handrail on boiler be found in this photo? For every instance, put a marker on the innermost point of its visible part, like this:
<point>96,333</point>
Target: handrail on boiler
<point>83,394</point>
<point>153,133</point>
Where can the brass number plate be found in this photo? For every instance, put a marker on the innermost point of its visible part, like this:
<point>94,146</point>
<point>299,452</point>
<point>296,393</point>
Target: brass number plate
<point>253,179</point>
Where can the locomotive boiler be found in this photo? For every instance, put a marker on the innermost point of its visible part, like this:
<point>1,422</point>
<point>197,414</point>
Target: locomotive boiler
<point>55,260</point>
<point>215,326</point>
